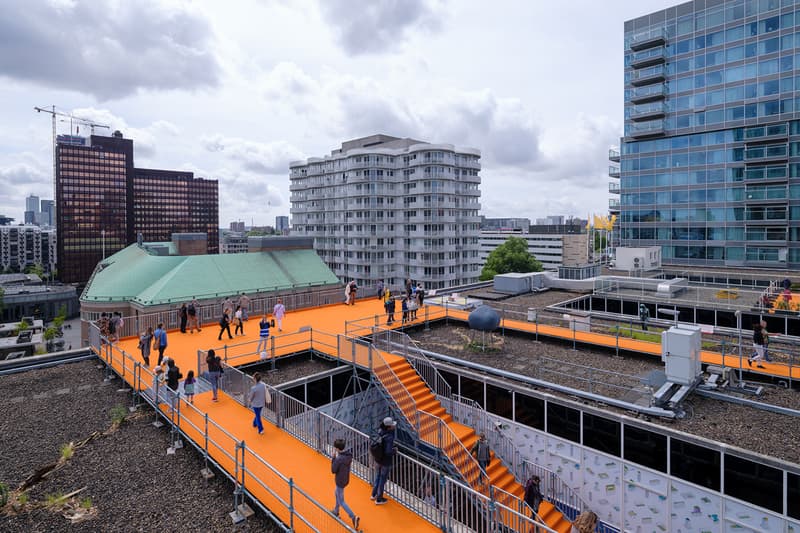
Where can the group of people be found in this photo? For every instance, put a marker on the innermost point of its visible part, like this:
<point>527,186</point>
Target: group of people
<point>189,316</point>
<point>410,302</point>
<point>110,326</point>
<point>240,316</point>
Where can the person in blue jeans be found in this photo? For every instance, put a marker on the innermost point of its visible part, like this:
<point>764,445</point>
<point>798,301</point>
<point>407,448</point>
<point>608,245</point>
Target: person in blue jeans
<point>259,398</point>
<point>340,467</point>
<point>384,466</point>
<point>160,341</point>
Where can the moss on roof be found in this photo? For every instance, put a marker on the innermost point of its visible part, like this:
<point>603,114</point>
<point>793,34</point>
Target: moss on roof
<point>134,275</point>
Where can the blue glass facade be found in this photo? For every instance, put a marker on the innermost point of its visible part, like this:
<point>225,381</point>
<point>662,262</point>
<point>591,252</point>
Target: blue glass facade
<point>710,160</point>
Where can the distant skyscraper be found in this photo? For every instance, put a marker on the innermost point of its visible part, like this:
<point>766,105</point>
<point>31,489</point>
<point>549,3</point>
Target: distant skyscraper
<point>103,202</point>
<point>48,213</point>
<point>382,208</point>
<point>237,226</point>
<point>32,203</point>
<point>281,223</point>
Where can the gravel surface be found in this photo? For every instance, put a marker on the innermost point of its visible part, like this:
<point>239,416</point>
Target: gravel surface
<point>755,430</point>
<point>132,483</point>
<point>291,368</point>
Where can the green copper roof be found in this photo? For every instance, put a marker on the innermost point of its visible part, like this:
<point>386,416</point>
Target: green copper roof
<point>132,274</point>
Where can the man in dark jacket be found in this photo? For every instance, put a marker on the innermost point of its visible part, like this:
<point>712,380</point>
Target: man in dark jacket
<point>384,466</point>
<point>340,467</point>
<point>173,379</point>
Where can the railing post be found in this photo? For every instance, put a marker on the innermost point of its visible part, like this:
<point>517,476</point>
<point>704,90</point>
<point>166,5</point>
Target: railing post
<point>291,504</point>
<point>279,412</point>
<point>205,442</point>
<point>137,375</point>
<point>536,323</point>
<point>574,341</point>
<point>272,354</point>
<point>225,350</point>
<point>618,328</point>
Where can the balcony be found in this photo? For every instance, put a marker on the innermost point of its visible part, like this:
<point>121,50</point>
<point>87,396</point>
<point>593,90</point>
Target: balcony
<point>613,187</point>
<point>648,93</point>
<point>649,57</point>
<point>649,75</point>
<point>774,214</point>
<point>613,205</point>
<point>646,129</point>
<point>770,152</point>
<point>770,173</point>
<point>773,132</point>
<point>648,111</point>
<point>613,172</point>
<point>613,155</point>
<point>648,39</point>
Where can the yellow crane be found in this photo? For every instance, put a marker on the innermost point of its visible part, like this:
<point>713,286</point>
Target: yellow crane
<point>73,120</point>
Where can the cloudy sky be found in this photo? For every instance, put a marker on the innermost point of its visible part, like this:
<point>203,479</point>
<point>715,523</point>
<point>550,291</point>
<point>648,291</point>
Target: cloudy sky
<point>235,90</point>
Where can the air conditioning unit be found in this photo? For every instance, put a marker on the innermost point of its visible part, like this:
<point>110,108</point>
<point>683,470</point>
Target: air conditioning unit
<point>638,262</point>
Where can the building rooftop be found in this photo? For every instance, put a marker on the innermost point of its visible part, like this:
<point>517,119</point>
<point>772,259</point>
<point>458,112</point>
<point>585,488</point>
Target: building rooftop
<point>134,274</point>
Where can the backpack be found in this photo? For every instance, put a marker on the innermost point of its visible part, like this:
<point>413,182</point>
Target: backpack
<point>376,447</point>
<point>190,309</point>
<point>112,325</point>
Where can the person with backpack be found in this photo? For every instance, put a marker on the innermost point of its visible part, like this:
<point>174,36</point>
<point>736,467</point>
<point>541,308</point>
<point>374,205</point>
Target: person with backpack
<point>113,326</point>
<point>191,311</point>
<point>225,325</point>
<point>340,468</point>
<point>160,341</point>
<point>382,449</point>
<point>533,494</point>
<point>644,316</point>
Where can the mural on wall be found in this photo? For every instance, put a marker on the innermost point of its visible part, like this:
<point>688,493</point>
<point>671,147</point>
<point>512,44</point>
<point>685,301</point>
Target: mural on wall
<point>601,485</point>
<point>741,517</point>
<point>693,509</point>
<point>645,499</point>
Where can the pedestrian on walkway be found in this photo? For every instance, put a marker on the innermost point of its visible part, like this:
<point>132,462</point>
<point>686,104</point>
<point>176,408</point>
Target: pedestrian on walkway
<point>263,335</point>
<point>259,398</point>
<point>758,346</point>
<point>379,292</point>
<point>183,312</point>
<point>239,321</point>
<point>404,308</point>
<point>214,364</point>
<point>144,345</point>
<point>188,386</point>
<point>160,341</point>
<point>173,380</point>
<point>192,310</point>
<point>244,303</point>
<point>278,312</point>
<point>340,468</point>
<point>225,325</point>
<point>533,494</point>
<point>390,307</point>
<point>765,333</point>
<point>384,465</point>
<point>481,452</point>
<point>644,316</point>
<point>353,292</point>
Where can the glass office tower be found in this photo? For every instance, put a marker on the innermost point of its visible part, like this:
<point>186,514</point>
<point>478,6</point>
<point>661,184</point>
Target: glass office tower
<point>710,161</point>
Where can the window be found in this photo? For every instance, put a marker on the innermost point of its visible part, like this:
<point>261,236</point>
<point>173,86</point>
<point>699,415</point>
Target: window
<point>498,401</point>
<point>755,483</point>
<point>694,463</point>
<point>563,422</point>
<point>601,434</point>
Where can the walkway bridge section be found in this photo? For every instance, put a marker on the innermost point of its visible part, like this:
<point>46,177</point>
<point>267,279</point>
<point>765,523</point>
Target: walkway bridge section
<point>280,471</point>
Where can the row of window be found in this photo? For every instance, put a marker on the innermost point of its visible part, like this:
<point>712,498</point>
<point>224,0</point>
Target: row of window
<point>712,214</point>
<point>709,139</point>
<point>701,196</point>
<point>702,233</point>
<point>728,95</point>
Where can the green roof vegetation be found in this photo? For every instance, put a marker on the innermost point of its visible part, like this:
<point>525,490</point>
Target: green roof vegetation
<point>134,275</point>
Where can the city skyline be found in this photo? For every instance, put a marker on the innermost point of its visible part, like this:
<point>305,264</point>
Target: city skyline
<point>236,102</point>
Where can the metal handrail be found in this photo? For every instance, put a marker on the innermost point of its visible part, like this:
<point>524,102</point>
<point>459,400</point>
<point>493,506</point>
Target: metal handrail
<point>556,490</point>
<point>436,432</point>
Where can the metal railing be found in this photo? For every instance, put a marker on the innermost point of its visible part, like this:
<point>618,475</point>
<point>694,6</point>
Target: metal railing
<point>556,491</point>
<point>268,488</point>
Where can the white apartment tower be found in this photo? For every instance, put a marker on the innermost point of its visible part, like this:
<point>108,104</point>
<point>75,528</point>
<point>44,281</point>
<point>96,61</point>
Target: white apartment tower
<point>385,208</point>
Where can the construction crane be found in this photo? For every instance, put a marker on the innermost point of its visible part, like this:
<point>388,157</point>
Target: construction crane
<point>72,120</point>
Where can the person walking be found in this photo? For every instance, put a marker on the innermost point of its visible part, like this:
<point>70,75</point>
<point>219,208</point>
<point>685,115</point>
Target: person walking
<point>409,286</point>
<point>214,365</point>
<point>347,289</point>
<point>263,335</point>
<point>239,321</point>
<point>188,386</point>
<point>533,494</point>
<point>353,292</point>
<point>384,465</point>
<point>244,303</point>
<point>481,452</point>
<point>183,312</point>
<point>644,316</point>
<point>225,325</point>
<point>259,398</point>
<point>765,334</point>
<point>390,307</point>
<point>404,309</point>
<point>192,312</point>
<point>278,312</point>
<point>160,341</point>
<point>420,296</point>
<point>340,468</point>
<point>758,346</point>
<point>586,522</point>
<point>144,345</point>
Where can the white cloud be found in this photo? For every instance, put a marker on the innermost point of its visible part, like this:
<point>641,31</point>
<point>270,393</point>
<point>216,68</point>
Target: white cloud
<point>261,158</point>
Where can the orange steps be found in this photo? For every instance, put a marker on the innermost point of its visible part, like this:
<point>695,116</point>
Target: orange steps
<point>499,475</point>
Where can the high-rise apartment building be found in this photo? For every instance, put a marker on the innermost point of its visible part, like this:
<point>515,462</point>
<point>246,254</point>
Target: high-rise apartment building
<point>710,160</point>
<point>103,202</point>
<point>48,212</point>
<point>26,246</point>
<point>385,208</point>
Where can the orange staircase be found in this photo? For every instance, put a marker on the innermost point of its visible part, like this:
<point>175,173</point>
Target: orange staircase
<point>432,417</point>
